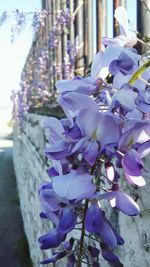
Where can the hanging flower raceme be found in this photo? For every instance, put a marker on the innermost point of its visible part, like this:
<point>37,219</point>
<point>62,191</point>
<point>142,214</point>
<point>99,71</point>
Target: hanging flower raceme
<point>86,150</point>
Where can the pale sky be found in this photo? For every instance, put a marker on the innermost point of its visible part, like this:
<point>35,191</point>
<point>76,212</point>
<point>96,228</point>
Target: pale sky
<point>12,56</point>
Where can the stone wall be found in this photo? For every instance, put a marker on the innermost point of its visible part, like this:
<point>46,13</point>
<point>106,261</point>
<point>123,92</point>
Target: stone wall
<point>136,230</point>
<point>30,166</point>
<point>29,162</point>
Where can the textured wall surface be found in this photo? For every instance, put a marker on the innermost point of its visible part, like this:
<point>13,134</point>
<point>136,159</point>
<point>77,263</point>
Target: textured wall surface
<point>136,230</point>
<point>30,170</point>
<point>30,166</point>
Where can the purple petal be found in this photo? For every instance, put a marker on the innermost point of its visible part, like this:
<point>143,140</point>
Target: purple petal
<point>88,121</point>
<point>94,126</point>
<point>43,215</point>
<point>57,151</point>
<point>120,240</point>
<point>58,166</point>
<point>74,185</point>
<point>67,221</point>
<point>72,103</point>
<point>49,200</point>
<point>124,203</point>
<point>50,240</point>
<point>135,180</point>
<point>120,79</point>
<point>111,257</point>
<point>107,234</point>
<point>52,172</point>
<point>126,98</point>
<point>144,149</point>
<point>113,67</point>
<point>118,40</point>
<point>93,219</point>
<point>74,133</point>
<point>68,245</point>
<point>96,64</point>
<point>90,153</point>
<point>142,105</point>
<point>53,259</point>
<point>121,16</point>
<point>102,60</point>
<point>71,261</point>
<point>81,145</point>
<point>93,251</point>
<point>125,64</point>
<point>55,129</point>
<point>108,137</point>
<point>138,133</point>
<point>147,96</point>
<point>82,85</point>
<point>131,162</point>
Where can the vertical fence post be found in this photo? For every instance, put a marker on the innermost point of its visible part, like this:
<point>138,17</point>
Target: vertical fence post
<point>90,31</point>
<point>59,48</point>
<point>54,5</point>
<point>101,22</point>
<point>143,17</point>
<point>64,43</point>
<point>123,3</point>
<point>79,33</point>
<point>116,3</point>
<point>85,8</point>
<point>50,49</point>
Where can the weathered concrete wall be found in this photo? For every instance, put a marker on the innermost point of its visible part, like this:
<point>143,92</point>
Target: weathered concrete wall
<point>30,166</point>
<point>136,230</point>
<point>29,162</point>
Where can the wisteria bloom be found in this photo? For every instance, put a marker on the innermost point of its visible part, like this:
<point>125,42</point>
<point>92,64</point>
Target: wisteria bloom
<point>102,140</point>
<point>126,37</point>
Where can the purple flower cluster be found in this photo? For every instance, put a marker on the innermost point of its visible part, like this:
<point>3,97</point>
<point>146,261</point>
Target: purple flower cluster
<point>3,17</point>
<point>18,25</point>
<point>62,23</point>
<point>106,129</point>
<point>20,19</point>
<point>19,109</point>
<point>61,27</point>
<point>67,66</point>
<point>34,84</point>
<point>36,77</point>
<point>38,20</point>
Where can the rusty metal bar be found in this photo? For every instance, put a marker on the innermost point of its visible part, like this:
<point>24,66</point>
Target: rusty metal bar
<point>59,48</point>
<point>79,31</point>
<point>100,23</point>
<point>85,8</point>
<point>72,26</point>
<point>90,30</point>
<point>50,24</point>
<point>64,42</point>
<point>143,17</point>
<point>116,3</point>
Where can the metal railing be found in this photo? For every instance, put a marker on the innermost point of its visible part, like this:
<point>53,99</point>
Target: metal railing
<point>87,21</point>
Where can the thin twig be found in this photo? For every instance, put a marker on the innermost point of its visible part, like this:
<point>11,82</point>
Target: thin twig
<point>78,7</point>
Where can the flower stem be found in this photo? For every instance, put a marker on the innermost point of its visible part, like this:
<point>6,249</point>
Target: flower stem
<point>79,262</point>
<point>139,72</point>
<point>82,235</point>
